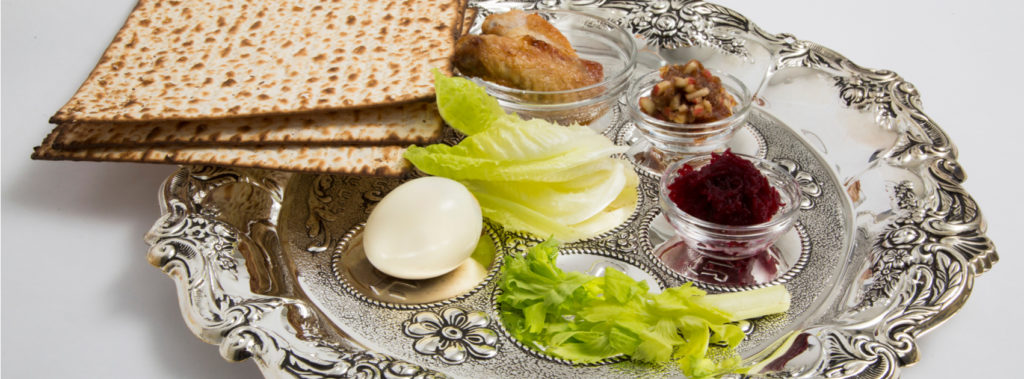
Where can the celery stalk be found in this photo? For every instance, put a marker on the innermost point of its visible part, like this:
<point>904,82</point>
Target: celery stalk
<point>750,304</point>
<point>586,319</point>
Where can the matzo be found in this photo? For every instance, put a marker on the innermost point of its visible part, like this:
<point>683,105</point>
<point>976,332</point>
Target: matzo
<point>415,123</point>
<point>361,160</point>
<point>468,18</point>
<point>198,59</point>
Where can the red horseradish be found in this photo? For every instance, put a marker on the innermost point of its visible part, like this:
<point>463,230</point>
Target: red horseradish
<point>728,191</point>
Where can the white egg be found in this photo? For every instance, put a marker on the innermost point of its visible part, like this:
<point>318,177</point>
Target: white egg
<point>423,229</point>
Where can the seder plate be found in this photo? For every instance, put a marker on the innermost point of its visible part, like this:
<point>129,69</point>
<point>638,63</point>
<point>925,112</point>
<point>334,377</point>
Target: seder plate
<point>269,265</point>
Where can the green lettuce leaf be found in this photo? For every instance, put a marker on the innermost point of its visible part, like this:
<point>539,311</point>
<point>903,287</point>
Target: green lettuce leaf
<point>529,175</point>
<point>464,105</point>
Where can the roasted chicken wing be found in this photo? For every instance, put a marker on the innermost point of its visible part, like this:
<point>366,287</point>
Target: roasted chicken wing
<point>518,23</point>
<point>524,51</point>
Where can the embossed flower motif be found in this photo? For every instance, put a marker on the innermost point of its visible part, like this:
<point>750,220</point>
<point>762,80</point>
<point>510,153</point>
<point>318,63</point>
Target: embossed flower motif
<point>520,242</point>
<point>897,247</point>
<point>808,186</point>
<point>227,263</point>
<point>905,237</point>
<point>198,231</point>
<point>660,21</point>
<point>897,259</point>
<point>866,92</point>
<point>623,241</point>
<point>454,335</point>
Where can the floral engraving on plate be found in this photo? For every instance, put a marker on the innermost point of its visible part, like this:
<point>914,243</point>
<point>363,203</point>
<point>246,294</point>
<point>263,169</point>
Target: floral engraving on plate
<point>808,186</point>
<point>319,214</point>
<point>675,23</point>
<point>904,246</point>
<point>923,262</point>
<point>624,241</point>
<point>871,89</point>
<point>853,355</point>
<point>326,193</point>
<point>453,336</point>
<point>205,256</point>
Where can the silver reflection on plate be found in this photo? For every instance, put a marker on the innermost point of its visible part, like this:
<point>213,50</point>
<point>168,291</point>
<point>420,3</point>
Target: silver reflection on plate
<point>894,240</point>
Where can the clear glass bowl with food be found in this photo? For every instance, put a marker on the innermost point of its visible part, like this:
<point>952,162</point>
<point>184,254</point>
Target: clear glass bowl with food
<point>685,110</point>
<point>558,65</point>
<point>727,211</point>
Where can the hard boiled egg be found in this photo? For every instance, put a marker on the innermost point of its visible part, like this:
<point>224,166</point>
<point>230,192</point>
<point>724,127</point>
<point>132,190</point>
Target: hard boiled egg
<point>423,229</point>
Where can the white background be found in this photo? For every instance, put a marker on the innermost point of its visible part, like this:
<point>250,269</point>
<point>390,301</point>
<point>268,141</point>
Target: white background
<point>80,300</point>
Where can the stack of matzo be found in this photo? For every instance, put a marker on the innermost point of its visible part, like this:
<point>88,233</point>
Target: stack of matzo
<point>306,85</point>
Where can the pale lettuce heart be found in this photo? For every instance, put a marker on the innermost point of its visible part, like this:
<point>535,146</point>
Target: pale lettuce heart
<point>510,151</point>
<point>568,202</point>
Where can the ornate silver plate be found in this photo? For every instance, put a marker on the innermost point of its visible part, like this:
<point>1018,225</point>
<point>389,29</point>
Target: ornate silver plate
<point>268,265</point>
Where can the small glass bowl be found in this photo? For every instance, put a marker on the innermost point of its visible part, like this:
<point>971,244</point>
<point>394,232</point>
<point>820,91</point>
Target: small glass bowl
<point>595,39</point>
<point>727,253</point>
<point>669,141</point>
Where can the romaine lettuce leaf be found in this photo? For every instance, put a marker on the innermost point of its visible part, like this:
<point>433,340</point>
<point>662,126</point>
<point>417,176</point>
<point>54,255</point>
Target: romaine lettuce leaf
<point>464,105</point>
<point>562,202</point>
<point>535,151</point>
<point>529,175</point>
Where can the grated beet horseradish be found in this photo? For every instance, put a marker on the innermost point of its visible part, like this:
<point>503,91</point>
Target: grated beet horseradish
<point>729,191</point>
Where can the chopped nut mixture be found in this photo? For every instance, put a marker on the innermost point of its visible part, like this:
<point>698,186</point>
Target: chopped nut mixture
<point>688,94</point>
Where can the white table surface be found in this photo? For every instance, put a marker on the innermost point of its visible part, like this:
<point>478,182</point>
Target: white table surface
<point>80,300</point>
